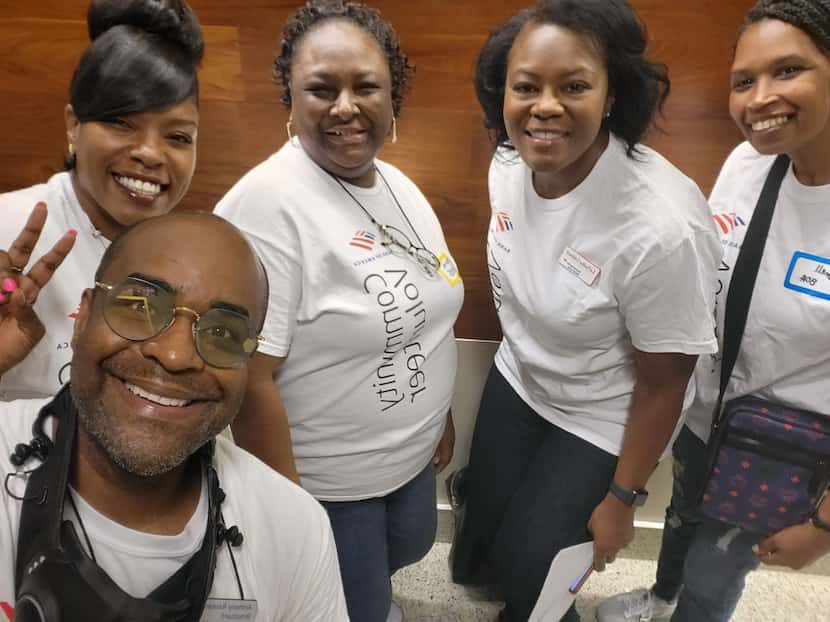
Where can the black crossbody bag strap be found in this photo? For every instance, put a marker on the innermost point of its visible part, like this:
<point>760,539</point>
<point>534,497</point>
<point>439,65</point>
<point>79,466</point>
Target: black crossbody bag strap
<point>739,296</point>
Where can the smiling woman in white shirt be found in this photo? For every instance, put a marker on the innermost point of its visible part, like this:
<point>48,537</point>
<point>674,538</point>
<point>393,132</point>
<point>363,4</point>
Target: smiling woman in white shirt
<point>131,156</point>
<point>358,358</point>
<point>601,256</point>
<point>780,101</point>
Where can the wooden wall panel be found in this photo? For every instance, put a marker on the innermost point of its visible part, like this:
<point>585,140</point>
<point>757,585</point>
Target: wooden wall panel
<point>442,145</point>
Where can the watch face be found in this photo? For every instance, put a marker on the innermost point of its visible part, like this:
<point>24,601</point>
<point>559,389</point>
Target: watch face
<point>639,499</point>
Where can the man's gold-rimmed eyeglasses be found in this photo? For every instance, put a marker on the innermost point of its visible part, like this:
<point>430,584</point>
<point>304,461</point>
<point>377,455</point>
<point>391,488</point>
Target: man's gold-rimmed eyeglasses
<point>137,309</point>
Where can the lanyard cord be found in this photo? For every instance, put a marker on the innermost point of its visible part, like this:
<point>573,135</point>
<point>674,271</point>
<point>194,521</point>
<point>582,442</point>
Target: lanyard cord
<point>81,523</point>
<point>233,561</point>
<point>394,198</point>
<point>400,208</point>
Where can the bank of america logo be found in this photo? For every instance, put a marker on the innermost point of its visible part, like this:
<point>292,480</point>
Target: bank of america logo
<point>503,222</point>
<point>728,221</point>
<point>363,239</point>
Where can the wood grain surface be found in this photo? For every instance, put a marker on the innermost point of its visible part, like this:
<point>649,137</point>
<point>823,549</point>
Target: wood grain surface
<point>442,145</point>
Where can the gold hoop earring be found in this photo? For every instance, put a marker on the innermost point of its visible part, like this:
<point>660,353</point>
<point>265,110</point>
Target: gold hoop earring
<point>71,149</point>
<point>288,129</point>
<point>394,130</point>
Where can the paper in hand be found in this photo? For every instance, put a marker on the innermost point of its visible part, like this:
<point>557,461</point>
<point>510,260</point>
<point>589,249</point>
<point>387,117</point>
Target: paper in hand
<point>566,568</point>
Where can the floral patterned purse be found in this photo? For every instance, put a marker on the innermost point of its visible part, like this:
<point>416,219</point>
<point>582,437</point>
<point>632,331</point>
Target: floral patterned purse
<point>769,464</point>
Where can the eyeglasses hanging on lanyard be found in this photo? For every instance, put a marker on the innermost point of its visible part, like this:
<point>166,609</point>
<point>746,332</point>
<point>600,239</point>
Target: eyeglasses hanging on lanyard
<point>396,240</point>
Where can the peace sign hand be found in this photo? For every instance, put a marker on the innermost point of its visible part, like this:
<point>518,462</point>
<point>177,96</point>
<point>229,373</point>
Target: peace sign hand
<point>20,327</point>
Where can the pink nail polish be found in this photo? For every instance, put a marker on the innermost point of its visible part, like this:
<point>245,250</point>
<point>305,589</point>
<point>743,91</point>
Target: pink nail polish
<point>73,231</point>
<point>9,285</point>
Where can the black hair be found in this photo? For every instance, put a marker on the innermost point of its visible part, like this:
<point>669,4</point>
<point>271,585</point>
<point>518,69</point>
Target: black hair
<point>810,16</point>
<point>639,87</point>
<point>115,247</point>
<point>317,11</point>
<point>143,55</point>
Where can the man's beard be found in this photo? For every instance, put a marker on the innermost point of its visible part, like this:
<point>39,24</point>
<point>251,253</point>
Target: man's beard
<point>138,452</point>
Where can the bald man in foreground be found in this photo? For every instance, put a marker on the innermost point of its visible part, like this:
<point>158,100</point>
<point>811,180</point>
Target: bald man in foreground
<point>119,501</point>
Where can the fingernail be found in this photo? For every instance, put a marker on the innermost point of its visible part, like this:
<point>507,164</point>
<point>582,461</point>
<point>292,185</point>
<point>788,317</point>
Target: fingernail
<point>9,285</point>
<point>73,232</point>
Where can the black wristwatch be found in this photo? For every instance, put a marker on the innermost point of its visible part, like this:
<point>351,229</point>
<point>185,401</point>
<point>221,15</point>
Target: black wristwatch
<point>632,498</point>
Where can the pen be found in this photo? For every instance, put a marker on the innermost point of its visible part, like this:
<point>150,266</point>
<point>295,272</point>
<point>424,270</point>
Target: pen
<point>577,585</point>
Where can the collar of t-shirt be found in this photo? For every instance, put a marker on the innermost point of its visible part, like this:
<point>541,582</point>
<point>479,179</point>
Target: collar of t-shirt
<point>76,216</point>
<point>600,174</point>
<point>106,534</point>
<point>801,194</point>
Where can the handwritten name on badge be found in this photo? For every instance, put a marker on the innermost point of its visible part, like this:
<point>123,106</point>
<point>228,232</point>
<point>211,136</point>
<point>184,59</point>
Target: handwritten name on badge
<point>809,274</point>
<point>228,610</point>
<point>580,266</point>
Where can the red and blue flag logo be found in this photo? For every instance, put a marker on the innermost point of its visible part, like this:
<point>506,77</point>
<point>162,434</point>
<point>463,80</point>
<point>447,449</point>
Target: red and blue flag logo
<point>503,222</point>
<point>728,221</point>
<point>363,239</point>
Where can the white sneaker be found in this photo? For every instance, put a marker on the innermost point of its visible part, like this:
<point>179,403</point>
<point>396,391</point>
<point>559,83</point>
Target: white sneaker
<point>636,606</point>
<point>395,613</point>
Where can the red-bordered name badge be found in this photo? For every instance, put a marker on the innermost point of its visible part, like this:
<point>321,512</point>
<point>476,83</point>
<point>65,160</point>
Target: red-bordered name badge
<point>580,266</point>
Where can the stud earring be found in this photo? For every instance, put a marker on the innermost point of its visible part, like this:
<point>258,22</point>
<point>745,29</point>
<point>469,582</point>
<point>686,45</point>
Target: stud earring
<point>394,130</point>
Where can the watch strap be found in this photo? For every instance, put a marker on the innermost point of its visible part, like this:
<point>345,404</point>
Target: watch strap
<point>631,498</point>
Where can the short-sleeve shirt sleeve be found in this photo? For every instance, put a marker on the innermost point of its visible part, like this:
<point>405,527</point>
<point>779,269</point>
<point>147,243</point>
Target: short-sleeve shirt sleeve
<point>253,206</point>
<point>668,306</point>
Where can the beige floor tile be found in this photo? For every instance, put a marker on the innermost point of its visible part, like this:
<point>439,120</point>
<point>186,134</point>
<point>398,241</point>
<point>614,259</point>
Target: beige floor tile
<point>427,595</point>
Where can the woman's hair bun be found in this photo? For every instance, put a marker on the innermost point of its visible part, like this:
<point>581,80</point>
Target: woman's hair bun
<point>172,20</point>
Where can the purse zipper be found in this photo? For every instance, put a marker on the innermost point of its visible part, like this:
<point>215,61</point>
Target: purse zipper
<point>815,463</point>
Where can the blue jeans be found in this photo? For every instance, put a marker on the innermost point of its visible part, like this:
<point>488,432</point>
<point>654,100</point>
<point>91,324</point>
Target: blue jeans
<point>714,575</point>
<point>707,559</point>
<point>376,537</point>
<point>682,519</point>
<point>529,489</point>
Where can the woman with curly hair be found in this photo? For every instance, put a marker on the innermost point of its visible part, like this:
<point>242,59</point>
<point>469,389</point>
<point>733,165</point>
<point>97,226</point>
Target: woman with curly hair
<point>601,257</point>
<point>358,359</point>
<point>780,100</point>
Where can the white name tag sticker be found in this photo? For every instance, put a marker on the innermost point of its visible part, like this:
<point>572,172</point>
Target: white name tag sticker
<point>229,610</point>
<point>580,266</point>
<point>809,274</point>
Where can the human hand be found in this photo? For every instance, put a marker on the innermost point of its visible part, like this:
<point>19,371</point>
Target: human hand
<point>795,547</point>
<point>612,527</point>
<point>443,453</point>
<point>20,327</point>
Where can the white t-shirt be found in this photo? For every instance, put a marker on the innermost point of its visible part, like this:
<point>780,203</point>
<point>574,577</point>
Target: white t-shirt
<point>40,375</point>
<point>623,261</point>
<point>287,562</point>
<point>371,357</point>
<point>785,351</point>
